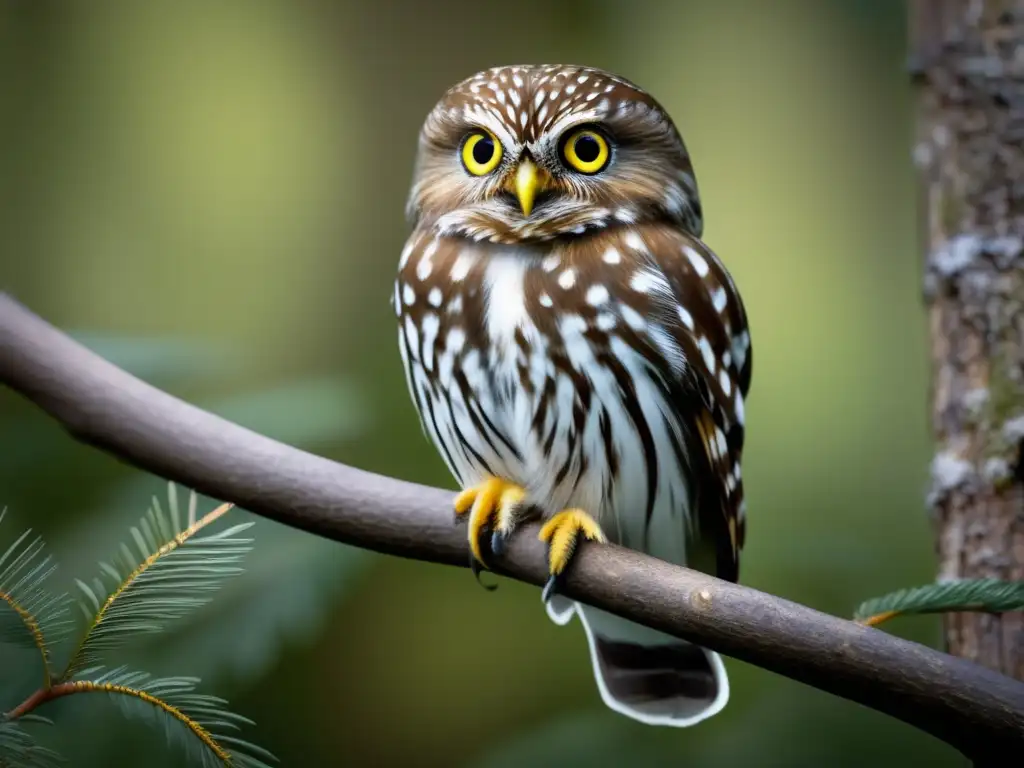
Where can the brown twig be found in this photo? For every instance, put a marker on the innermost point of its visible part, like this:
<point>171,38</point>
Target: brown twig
<point>49,693</point>
<point>973,709</point>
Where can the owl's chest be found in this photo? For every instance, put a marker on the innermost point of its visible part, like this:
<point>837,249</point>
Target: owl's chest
<point>469,335</point>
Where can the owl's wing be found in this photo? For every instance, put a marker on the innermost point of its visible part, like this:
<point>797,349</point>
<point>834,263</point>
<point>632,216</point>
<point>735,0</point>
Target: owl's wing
<point>710,326</point>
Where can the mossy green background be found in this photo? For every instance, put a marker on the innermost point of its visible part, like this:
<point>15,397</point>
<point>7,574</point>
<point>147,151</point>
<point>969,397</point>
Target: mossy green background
<point>211,194</point>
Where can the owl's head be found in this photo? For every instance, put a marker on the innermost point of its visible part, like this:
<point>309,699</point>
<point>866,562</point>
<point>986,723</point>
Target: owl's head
<point>523,153</point>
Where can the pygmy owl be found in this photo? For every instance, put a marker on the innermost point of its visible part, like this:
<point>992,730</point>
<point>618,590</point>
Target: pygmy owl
<point>575,351</point>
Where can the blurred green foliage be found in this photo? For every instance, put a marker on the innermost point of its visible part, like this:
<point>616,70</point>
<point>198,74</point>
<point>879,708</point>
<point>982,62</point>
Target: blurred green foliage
<point>211,194</point>
<point>170,567</point>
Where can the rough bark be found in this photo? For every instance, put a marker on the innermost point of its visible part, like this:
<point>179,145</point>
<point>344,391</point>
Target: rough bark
<point>968,60</point>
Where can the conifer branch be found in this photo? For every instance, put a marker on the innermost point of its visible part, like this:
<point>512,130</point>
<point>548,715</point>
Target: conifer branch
<point>172,697</point>
<point>32,626</point>
<point>173,573</point>
<point>19,750</point>
<point>39,616</point>
<point>979,595</point>
<point>126,609</point>
<point>972,708</point>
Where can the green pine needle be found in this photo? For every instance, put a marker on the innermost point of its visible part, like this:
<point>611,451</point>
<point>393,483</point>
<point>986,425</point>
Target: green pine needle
<point>173,568</point>
<point>172,571</point>
<point>199,723</point>
<point>983,595</point>
<point>19,750</point>
<point>30,616</point>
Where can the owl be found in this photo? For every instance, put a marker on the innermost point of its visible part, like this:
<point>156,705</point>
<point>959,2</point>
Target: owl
<point>577,355</point>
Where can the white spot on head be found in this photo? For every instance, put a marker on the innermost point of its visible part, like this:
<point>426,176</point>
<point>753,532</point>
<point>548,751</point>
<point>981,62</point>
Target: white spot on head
<point>625,215</point>
<point>634,241</point>
<point>517,80</point>
<point>567,279</point>
<point>434,297</point>
<point>581,79</point>
<point>538,99</point>
<point>515,97</point>
<point>597,295</point>
<point>739,408</point>
<point>409,295</point>
<point>570,88</point>
<point>542,113</point>
<point>633,318</point>
<point>396,301</point>
<point>545,300</point>
<point>605,321</point>
<point>699,262</point>
<point>612,256</point>
<point>550,263</point>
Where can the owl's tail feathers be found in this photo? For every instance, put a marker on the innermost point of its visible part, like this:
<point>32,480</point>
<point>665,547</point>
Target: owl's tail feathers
<point>647,675</point>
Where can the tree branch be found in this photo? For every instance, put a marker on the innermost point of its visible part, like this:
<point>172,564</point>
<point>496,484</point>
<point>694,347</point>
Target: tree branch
<point>974,709</point>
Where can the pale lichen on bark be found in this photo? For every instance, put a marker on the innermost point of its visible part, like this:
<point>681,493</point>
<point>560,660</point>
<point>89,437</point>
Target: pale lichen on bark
<point>968,58</point>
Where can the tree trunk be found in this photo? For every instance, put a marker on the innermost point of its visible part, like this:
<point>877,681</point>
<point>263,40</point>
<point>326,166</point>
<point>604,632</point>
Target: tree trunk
<point>967,57</point>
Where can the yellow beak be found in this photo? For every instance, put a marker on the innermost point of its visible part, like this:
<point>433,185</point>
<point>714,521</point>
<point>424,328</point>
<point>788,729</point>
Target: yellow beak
<point>529,181</point>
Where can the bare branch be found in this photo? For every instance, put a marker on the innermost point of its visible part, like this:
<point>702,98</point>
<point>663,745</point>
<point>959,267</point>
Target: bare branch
<point>965,705</point>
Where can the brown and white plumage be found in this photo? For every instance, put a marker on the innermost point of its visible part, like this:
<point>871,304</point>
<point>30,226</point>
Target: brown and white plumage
<point>572,345</point>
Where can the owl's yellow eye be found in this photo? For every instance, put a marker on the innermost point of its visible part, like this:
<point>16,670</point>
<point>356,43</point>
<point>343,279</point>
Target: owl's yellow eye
<point>586,151</point>
<point>481,153</point>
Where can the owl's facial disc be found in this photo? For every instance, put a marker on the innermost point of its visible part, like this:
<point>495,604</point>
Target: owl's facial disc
<point>529,153</point>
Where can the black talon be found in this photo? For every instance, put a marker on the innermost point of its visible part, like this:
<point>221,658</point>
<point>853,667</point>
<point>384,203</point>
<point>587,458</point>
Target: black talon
<point>498,542</point>
<point>477,569</point>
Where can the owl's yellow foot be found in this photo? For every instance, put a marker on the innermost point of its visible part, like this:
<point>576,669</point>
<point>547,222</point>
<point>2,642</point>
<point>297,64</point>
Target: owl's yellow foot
<point>496,504</point>
<point>562,534</point>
